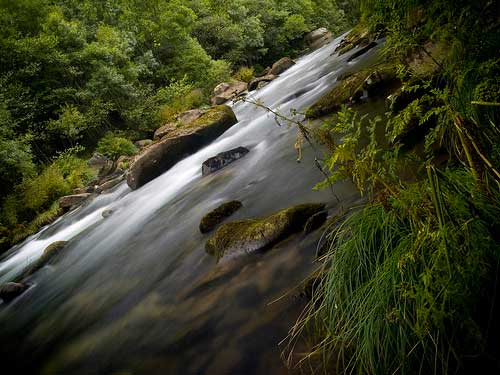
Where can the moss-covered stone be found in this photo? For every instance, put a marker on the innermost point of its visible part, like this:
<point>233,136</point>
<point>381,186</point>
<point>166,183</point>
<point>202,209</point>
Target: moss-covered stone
<point>181,142</point>
<point>376,81</point>
<point>247,236</point>
<point>217,216</point>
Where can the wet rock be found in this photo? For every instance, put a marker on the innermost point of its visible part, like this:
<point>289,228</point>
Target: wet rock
<point>281,65</point>
<point>318,38</point>
<point>161,156</point>
<point>143,143</point>
<point>101,163</point>
<point>254,84</point>
<point>50,255</point>
<point>222,159</point>
<point>262,84</point>
<point>247,236</point>
<point>227,91</point>
<point>376,82</point>
<point>109,184</point>
<point>107,213</point>
<point>9,291</point>
<point>362,51</point>
<point>72,200</point>
<point>263,73</point>
<point>217,216</point>
<point>315,222</point>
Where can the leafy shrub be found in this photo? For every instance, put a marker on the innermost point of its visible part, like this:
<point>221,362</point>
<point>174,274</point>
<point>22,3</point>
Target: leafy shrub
<point>113,147</point>
<point>244,74</point>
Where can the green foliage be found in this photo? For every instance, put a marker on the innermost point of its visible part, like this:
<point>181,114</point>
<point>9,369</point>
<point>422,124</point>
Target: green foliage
<point>403,279</point>
<point>113,147</point>
<point>244,74</point>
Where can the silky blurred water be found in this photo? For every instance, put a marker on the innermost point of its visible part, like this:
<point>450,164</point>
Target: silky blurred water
<point>136,293</point>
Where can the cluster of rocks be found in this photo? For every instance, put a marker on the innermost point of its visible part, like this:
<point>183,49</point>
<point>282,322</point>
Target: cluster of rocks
<point>109,174</point>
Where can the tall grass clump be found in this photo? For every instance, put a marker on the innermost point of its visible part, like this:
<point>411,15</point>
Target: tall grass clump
<point>403,280</point>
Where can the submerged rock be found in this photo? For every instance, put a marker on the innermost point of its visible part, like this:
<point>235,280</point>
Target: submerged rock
<point>72,200</point>
<point>161,156</point>
<point>281,65</point>
<point>9,291</point>
<point>226,91</point>
<point>107,213</point>
<point>222,159</point>
<point>217,216</point>
<point>256,82</point>
<point>50,255</point>
<point>318,38</point>
<point>248,236</point>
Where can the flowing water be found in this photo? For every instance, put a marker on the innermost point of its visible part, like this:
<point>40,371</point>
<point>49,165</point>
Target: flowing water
<point>135,293</point>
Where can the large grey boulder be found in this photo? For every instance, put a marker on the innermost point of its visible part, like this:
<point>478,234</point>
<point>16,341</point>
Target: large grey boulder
<point>222,159</point>
<point>227,91</point>
<point>184,141</point>
<point>247,236</point>
<point>318,38</point>
<point>281,65</point>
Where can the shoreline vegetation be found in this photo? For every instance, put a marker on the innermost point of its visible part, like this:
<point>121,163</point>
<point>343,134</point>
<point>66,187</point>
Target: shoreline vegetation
<point>408,282</point>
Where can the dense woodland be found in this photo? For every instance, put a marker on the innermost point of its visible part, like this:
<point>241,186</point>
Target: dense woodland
<point>409,283</point>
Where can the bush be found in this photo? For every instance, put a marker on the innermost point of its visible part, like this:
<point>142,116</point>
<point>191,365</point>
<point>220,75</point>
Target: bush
<point>113,147</point>
<point>244,74</point>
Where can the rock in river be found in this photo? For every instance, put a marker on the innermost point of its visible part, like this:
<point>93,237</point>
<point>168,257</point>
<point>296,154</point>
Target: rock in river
<point>281,65</point>
<point>9,291</point>
<point>221,160</point>
<point>217,216</point>
<point>160,157</point>
<point>247,236</point>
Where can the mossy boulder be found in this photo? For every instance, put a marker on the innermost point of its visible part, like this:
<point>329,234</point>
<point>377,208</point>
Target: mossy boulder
<point>247,236</point>
<point>70,201</point>
<point>184,141</point>
<point>353,87</point>
<point>9,291</point>
<point>217,216</point>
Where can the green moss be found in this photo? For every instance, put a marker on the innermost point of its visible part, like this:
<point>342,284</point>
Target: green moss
<point>49,255</point>
<point>215,217</point>
<point>247,236</point>
<point>350,89</point>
